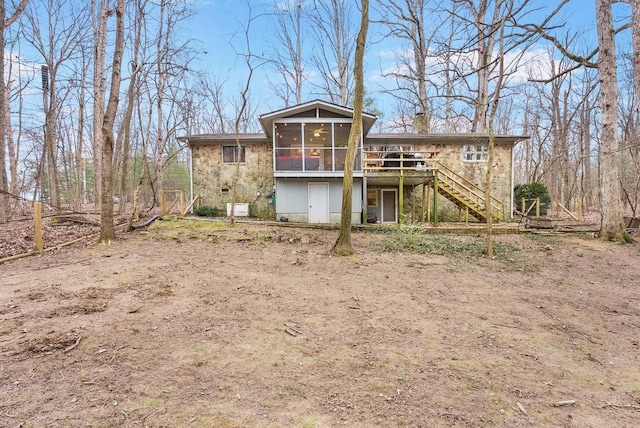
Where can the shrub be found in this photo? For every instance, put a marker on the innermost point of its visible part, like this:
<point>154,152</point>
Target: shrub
<point>206,211</point>
<point>530,192</point>
<point>414,240</point>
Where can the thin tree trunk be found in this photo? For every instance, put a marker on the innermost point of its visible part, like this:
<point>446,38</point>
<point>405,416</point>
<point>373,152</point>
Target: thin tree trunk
<point>635,38</point>
<point>107,228</point>
<point>343,245</point>
<point>128,114</point>
<point>79,190</point>
<point>489,248</point>
<point>100,42</point>
<point>51,141</point>
<point>4,181</point>
<point>4,106</point>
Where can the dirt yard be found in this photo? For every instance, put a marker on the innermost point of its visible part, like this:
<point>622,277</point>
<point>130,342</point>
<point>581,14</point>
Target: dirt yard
<point>260,326</point>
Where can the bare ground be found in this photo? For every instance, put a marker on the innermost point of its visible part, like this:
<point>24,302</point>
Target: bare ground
<point>260,326</point>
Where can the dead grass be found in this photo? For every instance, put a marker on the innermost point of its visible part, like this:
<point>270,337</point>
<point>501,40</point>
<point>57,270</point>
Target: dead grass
<point>200,324</point>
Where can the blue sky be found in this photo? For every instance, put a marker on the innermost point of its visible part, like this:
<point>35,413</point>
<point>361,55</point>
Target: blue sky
<point>217,23</point>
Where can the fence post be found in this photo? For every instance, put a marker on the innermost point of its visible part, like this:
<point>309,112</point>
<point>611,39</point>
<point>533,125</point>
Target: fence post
<point>37,216</point>
<point>579,209</point>
<point>537,207</point>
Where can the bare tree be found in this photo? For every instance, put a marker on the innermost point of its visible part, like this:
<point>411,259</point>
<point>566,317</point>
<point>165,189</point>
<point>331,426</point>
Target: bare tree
<point>210,113</point>
<point>343,245</point>
<point>635,38</point>
<point>243,106</point>
<point>4,182</point>
<point>406,21</point>
<point>334,43</point>
<point>99,18</point>
<point>612,208</point>
<point>61,44</point>
<point>500,39</point>
<point>107,227</point>
<point>288,58</point>
<point>124,135</point>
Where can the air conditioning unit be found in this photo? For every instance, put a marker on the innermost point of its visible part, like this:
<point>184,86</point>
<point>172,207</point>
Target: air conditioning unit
<point>240,210</point>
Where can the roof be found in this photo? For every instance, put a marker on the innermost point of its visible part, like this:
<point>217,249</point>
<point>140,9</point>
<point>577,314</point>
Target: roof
<point>209,139</point>
<point>442,138</point>
<point>266,120</point>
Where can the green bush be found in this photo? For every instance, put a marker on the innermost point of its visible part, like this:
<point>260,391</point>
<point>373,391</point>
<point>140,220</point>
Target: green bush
<point>207,211</point>
<point>530,192</point>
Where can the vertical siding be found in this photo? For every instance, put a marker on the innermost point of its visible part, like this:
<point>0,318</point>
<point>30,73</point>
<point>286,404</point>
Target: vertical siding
<point>292,195</point>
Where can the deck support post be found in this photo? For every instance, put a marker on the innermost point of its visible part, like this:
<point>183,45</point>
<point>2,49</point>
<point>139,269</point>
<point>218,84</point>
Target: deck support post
<point>365,199</point>
<point>401,199</point>
<point>435,199</point>
<point>424,200</point>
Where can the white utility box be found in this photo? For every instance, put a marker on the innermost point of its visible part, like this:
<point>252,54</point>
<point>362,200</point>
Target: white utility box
<point>240,210</point>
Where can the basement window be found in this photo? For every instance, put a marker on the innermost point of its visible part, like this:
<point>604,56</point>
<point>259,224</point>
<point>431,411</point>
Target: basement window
<point>475,153</point>
<point>231,154</point>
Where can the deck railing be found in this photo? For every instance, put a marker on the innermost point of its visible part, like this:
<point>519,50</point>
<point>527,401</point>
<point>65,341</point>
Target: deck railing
<point>376,161</point>
<point>415,163</point>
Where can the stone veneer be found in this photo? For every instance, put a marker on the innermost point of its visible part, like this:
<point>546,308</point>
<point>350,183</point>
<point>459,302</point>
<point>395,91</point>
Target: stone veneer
<point>213,179</point>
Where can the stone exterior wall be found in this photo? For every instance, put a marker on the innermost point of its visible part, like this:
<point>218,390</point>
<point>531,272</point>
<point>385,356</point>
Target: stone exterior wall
<point>450,155</point>
<point>213,179</point>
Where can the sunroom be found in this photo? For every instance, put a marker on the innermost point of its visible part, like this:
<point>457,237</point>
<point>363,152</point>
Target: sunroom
<point>309,151</point>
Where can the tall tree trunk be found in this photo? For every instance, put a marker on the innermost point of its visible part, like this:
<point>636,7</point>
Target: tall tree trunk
<point>11,143</point>
<point>50,101</point>
<point>125,129</point>
<point>4,179</point>
<point>612,207</point>
<point>4,105</point>
<point>107,228</point>
<point>343,244</point>
<point>99,22</point>
<point>635,37</point>
<point>79,161</point>
<point>486,40</point>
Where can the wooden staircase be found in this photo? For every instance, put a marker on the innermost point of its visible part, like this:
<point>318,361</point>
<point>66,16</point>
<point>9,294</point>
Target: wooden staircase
<point>465,194</point>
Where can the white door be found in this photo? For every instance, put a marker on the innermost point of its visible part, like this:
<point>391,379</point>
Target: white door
<point>318,202</point>
<point>389,211</point>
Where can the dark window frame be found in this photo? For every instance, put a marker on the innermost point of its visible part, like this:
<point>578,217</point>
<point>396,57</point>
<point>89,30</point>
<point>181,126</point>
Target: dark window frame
<point>230,154</point>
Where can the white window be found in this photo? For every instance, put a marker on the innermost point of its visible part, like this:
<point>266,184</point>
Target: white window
<point>230,154</point>
<point>475,153</point>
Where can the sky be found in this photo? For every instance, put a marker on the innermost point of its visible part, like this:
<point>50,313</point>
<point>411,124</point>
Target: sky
<point>217,26</point>
<point>218,23</point>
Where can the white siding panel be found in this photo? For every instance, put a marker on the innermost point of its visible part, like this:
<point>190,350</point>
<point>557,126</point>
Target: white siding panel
<point>292,196</point>
<point>335,196</point>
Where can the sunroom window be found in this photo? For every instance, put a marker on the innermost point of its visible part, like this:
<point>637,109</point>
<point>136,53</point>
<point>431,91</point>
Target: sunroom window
<point>312,146</point>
